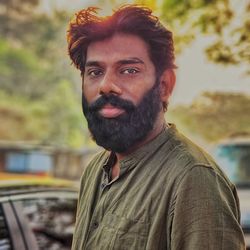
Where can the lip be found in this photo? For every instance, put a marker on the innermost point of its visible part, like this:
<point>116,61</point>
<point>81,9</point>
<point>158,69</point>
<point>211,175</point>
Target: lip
<point>109,111</point>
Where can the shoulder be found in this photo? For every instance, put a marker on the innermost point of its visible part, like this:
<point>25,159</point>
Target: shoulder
<point>207,181</point>
<point>190,165</point>
<point>97,161</point>
<point>183,155</point>
<point>93,168</point>
<point>185,150</point>
<point>206,209</point>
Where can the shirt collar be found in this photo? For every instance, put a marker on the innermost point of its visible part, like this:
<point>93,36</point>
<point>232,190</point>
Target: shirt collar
<point>132,159</point>
<point>150,147</point>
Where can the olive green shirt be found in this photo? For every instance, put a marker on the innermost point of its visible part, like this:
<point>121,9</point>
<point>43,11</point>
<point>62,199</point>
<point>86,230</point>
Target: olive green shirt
<point>169,195</point>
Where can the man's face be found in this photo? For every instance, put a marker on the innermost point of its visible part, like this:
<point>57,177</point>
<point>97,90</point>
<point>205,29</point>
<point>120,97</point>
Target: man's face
<point>121,97</point>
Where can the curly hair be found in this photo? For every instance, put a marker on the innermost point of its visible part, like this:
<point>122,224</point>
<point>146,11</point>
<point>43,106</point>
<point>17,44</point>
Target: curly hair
<point>88,27</point>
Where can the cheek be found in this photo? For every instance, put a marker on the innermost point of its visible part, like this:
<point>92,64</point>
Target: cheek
<point>136,91</point>
<point>90,91</point>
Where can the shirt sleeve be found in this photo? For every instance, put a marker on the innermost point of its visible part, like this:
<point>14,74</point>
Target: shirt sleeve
<point>206,213</point>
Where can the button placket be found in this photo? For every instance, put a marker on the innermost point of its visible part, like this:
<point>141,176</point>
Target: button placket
<point>95,225</point>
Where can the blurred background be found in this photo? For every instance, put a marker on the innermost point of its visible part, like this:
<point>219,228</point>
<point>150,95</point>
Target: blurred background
<point>43,134</point>
<point>42,129</point>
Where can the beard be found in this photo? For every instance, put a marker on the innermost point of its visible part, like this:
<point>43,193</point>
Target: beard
<point>119,134</point>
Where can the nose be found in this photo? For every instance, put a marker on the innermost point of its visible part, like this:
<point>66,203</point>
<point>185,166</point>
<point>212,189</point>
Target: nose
<point>109,84</point>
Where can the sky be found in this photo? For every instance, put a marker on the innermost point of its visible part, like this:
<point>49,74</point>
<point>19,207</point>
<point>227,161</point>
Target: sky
<point>195,74</point>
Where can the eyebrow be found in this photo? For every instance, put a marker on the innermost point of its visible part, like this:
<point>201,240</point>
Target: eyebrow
<point>92,63</point>
<point>132,60</point>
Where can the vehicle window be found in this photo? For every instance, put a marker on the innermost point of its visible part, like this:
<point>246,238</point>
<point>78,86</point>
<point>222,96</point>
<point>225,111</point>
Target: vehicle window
<point>235,160</point>
<point>5,241</point>
<point>52,221</point>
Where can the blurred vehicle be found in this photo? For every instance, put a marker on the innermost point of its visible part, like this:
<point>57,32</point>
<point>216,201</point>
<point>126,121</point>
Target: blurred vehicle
<point>36,212</point>
<point>233,155</point>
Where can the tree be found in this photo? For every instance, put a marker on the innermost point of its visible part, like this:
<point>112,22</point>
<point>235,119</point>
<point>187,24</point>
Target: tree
<point>15,13</point>
<point>21,74</point>
<point>214,18</point>
<point>38,94</point>
<point>214,116</point>
<point>56,119</point>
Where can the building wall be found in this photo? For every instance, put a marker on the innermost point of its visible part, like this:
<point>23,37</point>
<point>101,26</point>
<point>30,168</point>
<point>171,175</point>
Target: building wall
<point>65,163</point>
<point>71,165</point>
<point>2,161</point>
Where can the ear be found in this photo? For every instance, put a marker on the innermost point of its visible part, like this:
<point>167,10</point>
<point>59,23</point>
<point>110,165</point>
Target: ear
<point>167,83</point>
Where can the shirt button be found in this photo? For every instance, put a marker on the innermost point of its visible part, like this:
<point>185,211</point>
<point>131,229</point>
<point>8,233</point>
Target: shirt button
<point>95,225</point>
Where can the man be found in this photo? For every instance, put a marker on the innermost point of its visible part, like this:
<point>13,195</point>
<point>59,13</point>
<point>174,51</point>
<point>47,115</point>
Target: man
<point>151,188</point>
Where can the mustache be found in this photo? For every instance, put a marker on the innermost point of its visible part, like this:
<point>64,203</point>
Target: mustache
<point>112,100</point>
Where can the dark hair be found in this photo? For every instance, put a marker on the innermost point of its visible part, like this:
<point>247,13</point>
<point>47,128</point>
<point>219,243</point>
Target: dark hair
<point>132,19</point>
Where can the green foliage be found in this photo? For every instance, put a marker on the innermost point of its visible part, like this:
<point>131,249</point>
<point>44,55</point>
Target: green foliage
<point>21,74</point>
<point>57,119</point>
<point>20,119</point>
<point>15,13</point>
<point>214,116</point>
<point>235,50</point>
<point>216,18</point>
<point>65,119</point>
<point>39,98</point>
<point>176,9</point>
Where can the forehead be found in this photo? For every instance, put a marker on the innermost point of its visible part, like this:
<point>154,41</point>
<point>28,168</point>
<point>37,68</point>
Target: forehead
<point>118,47</point>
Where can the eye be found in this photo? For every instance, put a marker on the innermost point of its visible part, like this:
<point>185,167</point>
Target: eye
<point>129,71</point>
<point>94,72</point>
